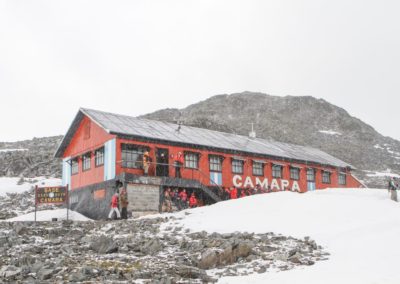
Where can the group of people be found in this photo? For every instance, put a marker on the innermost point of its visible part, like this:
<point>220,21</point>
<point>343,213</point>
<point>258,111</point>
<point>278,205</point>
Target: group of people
<point>180,198</point>
<point>147,161</point>
<point>119,200</point>
<point>393,186</point>
<point>234,193</point>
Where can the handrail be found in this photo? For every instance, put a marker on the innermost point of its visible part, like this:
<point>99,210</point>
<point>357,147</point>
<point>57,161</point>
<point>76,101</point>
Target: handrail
<point>193,169</point>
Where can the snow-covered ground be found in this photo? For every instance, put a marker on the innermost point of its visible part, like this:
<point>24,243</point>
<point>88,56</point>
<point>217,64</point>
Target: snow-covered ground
<point>359,227</point>
<point>10,185</point>
<point>47,215</point>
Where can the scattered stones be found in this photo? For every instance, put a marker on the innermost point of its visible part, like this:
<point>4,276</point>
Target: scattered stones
<point>141,249</point>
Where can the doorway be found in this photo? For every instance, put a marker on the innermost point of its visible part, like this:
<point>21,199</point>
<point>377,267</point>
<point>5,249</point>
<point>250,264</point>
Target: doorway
<point>162,159</point>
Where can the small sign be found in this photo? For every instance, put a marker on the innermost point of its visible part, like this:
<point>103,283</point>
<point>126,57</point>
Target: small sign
<point>99,194</point>
<point>51,195</point>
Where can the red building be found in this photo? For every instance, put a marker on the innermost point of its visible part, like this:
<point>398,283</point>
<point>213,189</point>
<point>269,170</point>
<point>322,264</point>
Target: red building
<point>102,150</point>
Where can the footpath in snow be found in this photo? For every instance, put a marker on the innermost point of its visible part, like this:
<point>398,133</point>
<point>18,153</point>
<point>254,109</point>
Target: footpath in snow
<point>360,228</point>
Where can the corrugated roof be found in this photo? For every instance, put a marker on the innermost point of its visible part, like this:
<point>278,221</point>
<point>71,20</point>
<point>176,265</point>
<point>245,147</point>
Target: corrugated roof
<point>164,131</point>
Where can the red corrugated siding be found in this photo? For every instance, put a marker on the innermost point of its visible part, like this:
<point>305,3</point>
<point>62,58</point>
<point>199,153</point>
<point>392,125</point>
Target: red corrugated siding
<point>79,145</point>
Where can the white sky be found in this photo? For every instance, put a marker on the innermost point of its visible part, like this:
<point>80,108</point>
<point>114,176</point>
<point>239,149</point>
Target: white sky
<point>135,57</point>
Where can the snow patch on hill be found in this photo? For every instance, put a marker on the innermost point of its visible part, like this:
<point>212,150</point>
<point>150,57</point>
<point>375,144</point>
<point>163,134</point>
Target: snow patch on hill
<point>329,132</point>
<point>10,185</point>
<point>12,150</point>
<point>359,227</point>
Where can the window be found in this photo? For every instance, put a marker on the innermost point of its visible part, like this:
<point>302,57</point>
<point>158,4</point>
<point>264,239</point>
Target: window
<point>326,177</point>
<point>258,169</point>
<point>132,156</point>
<point>237,166</point>
<point>215,163</point>
<point>74,166</point>
<point>99,157</point>
<point>294,173</point>
<point>192,160</point>
<point>86,161</point>
<point>277,171</point>
<point>342,178</point>
<point>310,175</point>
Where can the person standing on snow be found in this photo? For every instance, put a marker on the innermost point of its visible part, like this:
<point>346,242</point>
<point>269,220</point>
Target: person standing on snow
<point>392,189</point>
<point>114,207</point>
<point>233,193</point>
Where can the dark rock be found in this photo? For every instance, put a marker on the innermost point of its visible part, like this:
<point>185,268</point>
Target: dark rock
<point>104,245</point>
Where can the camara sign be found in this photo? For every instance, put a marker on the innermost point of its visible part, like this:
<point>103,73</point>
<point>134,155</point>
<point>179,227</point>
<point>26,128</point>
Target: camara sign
<point>51,195</point>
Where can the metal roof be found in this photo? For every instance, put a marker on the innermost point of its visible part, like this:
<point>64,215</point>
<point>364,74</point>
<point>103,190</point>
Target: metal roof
<point>168,132</point>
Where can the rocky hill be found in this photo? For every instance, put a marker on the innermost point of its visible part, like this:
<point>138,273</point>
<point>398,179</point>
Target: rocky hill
<point>299,120</point>
<point>30,158</point>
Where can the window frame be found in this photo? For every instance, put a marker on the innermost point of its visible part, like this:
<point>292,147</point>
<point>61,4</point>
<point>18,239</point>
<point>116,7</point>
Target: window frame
<point>86,162</point>
<point>237,164</point>
<point>326,177</point>
<point>274,171</point>
<point>75,166</point>
<point>191,160</point>
<point>99,157</point>
<point>217,165</point>
<point>129,150</point>
<point>345,179</point>
<point>261,168</point>
<point>314,174</point>
<point>293,177</point>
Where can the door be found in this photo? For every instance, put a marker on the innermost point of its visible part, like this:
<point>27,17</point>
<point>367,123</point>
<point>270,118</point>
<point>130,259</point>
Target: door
<point>162,167</point>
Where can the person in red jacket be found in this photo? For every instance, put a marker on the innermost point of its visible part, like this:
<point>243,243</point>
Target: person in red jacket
<point>192,201</point>
<point>234,193</point>
<point>114,207</point>
<point>183,196</point>
<point>179,161</point>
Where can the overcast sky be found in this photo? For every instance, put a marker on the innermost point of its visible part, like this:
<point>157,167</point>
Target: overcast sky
<point>135,57</point>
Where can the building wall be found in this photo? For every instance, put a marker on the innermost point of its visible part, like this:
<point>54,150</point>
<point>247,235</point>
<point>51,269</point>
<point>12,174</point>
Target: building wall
<point>80,144</point>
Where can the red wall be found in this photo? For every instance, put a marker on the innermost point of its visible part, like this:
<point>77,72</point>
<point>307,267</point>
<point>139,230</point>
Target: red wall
<point>79,145</point>
<point>227,175</point>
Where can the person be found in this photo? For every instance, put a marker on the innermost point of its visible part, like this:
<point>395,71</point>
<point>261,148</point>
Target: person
<point>179,161</point>
<point>193,201</point>
<point>124,203</point>
<point>183,197</point>
<point>392,188</point>
<point>242,193</point>
<point>114,207</point>
<point>167,204</point>
<point>146,163</point>
<point>233,193</point>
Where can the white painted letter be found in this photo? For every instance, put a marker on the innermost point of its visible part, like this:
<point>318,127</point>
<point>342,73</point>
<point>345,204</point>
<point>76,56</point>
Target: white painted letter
<point>263,183</point>
<point>248,182</point>
<point>274,184</point>
<point>295,186</point>
<point>237,181</point>
<point>284,184</point>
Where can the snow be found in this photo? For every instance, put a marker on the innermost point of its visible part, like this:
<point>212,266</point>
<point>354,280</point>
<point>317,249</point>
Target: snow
<point>12,150</point>
<point>9,185</point>
<point>47,215</point>
<point>383,174</point>
<point>359,227</point>
<point>377,146</point>
<point>329,132</point>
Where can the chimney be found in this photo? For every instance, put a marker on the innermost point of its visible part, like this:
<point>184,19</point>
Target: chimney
<point>252,133</point>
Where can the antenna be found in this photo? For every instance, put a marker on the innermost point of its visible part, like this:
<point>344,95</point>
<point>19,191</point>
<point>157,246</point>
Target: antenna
<point>178,121</point>
<point>252,133</point>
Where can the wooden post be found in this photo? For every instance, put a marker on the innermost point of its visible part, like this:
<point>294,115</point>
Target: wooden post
<point>36,187</point>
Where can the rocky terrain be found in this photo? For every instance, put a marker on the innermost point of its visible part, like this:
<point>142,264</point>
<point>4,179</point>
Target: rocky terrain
<point>299,120</point>
<point>145,250</point>
<point>30,158</point>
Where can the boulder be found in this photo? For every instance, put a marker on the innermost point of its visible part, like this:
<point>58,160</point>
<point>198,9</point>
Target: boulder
<point>103,245</point>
